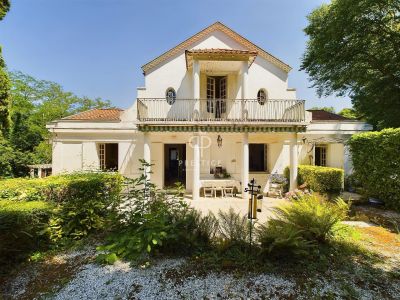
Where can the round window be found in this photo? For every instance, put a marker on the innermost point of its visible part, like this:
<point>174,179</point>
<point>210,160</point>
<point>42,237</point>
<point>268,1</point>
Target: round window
<point>170,96</point>
<point>262,96</point>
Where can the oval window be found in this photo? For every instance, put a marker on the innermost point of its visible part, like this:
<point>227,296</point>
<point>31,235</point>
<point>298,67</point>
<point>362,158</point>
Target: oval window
<point>262,96</point>
<point>170,96</point>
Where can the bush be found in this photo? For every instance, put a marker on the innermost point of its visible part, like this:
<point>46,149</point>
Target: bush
<point>320,179</point>
<point>302,225</point>
<point>62,188</point>
<point>83,201</point>
<point>154,221</point>
<point>21,225</point>
<point>376,162</point>
<point>233,228</point>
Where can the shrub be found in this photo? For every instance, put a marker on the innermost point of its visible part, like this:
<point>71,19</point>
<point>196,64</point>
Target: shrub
<point>21,225</point>
<point>62,188</point>
<point>233,227</point>
<point>83,201</point>
<point>320,179</point>
<point>153,221</point>
<point>300,226</point>
<point>376,162</point>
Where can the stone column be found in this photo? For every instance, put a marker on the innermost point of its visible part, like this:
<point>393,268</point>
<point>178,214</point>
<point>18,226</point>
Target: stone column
<point>244,88</point>
<point>196,166</point>
<point>196,88</point>
<point>146,152</point>
<point>245,164</point>
<point>293,162</point>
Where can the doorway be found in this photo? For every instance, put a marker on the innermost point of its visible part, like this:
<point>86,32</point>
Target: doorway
<point>216,95</point>
<point>174,169</point>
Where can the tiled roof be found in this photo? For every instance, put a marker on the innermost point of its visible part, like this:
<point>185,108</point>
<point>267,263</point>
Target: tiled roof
<point>185,45</point>
<point>219,54</point>
<point>221,51</point>
<point>323,115</point>
<point>97,114</point>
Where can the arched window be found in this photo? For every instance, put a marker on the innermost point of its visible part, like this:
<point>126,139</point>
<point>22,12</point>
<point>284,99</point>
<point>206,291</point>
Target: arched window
<point>170,96</point>
<point>262,96</point>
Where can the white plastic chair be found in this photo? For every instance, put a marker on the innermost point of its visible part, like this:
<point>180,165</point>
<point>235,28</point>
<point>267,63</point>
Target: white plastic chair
<point>218,188</point>
<point>228,191</point>
<point>208,191</point>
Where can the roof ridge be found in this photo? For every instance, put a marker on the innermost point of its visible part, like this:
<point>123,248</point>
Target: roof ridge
<point>213,27</point>
<point>96,114</point>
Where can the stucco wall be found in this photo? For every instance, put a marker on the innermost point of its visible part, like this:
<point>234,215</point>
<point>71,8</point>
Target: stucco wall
<point>72,153</point>
<point>173,73</point>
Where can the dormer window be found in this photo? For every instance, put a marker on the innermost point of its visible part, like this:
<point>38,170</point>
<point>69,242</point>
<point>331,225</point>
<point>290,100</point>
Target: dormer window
<point>170,96</point>
<point>262,96</point>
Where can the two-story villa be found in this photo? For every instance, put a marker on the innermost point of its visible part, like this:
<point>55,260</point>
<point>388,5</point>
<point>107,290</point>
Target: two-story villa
<point>215,105</point>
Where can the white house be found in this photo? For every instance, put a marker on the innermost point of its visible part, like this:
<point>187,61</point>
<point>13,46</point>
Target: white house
<point>215,103</point>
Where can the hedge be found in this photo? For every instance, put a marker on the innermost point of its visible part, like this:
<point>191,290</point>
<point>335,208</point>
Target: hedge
<point>319,179</point>
<point>62,188</point>
<point>39,213</point>
<point>376,162</point>
<point>21,224</point>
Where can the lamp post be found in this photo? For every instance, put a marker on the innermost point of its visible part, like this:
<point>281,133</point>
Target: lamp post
<point>253,190</point>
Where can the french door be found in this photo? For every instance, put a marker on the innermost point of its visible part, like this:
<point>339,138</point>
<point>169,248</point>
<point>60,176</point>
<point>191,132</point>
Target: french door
<point>216,95</point>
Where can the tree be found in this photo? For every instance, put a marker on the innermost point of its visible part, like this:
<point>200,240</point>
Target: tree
<point>33,103</point>
<point>353,49</point>
<point>13,163</point>
<point>4,8</point>
<point>349,113</point>
<point>4,80</point>
<point>330,109</point>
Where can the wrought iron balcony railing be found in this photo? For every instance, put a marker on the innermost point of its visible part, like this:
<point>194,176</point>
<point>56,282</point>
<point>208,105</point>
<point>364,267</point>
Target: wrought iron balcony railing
<point>158,110</point>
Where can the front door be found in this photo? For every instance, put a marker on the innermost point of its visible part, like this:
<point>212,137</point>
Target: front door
<point>216,96</point>
<point>175,157</point>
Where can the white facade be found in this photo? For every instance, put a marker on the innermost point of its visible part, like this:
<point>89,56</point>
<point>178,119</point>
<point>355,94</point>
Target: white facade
<point>159,131</point>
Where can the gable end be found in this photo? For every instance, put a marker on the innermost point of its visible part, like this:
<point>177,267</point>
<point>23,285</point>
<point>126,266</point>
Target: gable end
<point>198,36</point>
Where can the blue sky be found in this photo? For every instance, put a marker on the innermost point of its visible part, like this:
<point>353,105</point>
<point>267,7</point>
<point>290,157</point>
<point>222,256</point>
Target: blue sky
<point>96,47</point>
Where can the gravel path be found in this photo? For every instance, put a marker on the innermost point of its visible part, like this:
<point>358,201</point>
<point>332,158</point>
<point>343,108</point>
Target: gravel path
<point>74,275</point>
<point>164,280</point>
<point>161,281</point>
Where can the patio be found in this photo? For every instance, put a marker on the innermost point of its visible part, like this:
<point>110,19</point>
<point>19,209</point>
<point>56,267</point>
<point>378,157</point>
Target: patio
<point>213,205</point>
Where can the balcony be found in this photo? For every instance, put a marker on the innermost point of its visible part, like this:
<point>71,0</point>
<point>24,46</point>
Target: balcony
<point>220,111</point>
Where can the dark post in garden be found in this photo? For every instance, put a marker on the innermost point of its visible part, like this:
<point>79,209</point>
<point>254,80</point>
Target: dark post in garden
<point>253,190</point>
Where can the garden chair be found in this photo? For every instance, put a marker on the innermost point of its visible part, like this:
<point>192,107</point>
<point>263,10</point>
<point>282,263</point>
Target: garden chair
<point>229,191</point>
<point>209,191</point>
<point>220,189</point>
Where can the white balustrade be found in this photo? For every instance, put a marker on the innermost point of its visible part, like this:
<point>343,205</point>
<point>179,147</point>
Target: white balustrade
<point>220,110</point>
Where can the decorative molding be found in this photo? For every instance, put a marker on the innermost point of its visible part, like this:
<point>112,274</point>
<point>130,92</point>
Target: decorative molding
<point>232,128</point>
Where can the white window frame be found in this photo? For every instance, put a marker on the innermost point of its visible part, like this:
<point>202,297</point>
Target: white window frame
<point>102,156</point>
